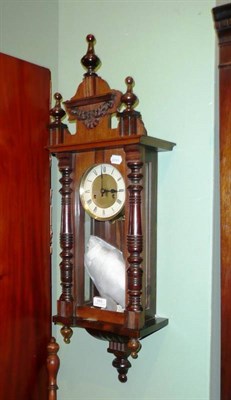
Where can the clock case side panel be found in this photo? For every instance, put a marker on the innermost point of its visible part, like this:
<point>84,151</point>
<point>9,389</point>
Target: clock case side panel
<point>146,322</point>
<point>150,230</point>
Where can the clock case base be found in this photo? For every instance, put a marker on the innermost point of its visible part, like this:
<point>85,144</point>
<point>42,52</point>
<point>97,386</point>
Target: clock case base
<point>123,342</point>
<point>117,332</point>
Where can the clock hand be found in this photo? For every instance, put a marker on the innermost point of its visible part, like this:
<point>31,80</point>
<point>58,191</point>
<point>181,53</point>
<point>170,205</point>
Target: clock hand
<point>110,190</point>
<point>102,191</point>
<point>106,191</point>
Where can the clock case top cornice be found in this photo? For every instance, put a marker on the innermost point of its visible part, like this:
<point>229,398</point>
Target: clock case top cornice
<point>92,107</point>
<point>222,21</point>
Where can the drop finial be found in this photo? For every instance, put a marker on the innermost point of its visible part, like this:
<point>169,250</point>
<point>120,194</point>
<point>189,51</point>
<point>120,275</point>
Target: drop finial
<point>129,98</point>
<point>90,61</point>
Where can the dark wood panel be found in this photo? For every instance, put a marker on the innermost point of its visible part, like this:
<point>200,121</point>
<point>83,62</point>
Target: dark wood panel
<point>225,171</point>
<point>222,24</point>
<point>24,229</point>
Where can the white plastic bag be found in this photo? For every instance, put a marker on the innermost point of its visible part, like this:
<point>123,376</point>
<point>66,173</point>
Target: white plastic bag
<point>106,267</point>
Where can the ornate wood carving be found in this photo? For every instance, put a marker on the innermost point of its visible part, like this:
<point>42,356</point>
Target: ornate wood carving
<point>66,235</point>
<point>134,238</point>
<point>52,368</point>
<point>92,117</point>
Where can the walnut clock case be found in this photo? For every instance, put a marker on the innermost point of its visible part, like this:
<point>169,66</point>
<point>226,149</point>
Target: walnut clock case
<point>108,222</point>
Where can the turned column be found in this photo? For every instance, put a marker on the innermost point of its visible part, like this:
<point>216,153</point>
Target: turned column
<point>134,238</point>
<point>52,368</point>
<point>65,302</point>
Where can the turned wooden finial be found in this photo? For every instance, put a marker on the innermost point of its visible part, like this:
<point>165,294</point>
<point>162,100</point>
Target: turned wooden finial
<point>90,61</point>
<point>134,346</point>
<point>122,364</point>
<point>57,111</point>
<point>129,98</point>
<point>52,367</point>
<point>56,127</point>
<point>129,117</point>
<point>67,333</point>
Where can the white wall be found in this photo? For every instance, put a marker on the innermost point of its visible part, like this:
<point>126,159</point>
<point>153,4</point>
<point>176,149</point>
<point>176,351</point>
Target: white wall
<point>169,49</point>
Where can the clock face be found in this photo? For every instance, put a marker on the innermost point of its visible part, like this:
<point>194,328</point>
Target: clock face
<point>102,191</point>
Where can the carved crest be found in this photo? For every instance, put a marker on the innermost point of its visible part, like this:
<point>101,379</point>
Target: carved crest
<point>91,114</point>
<point>93,106</point>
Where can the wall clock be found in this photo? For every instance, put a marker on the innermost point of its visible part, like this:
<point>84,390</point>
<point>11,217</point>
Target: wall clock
<point>108,218</point>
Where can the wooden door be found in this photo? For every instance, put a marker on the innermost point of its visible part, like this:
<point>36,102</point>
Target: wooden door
<point>222,16</point>
<point>24,229</point>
